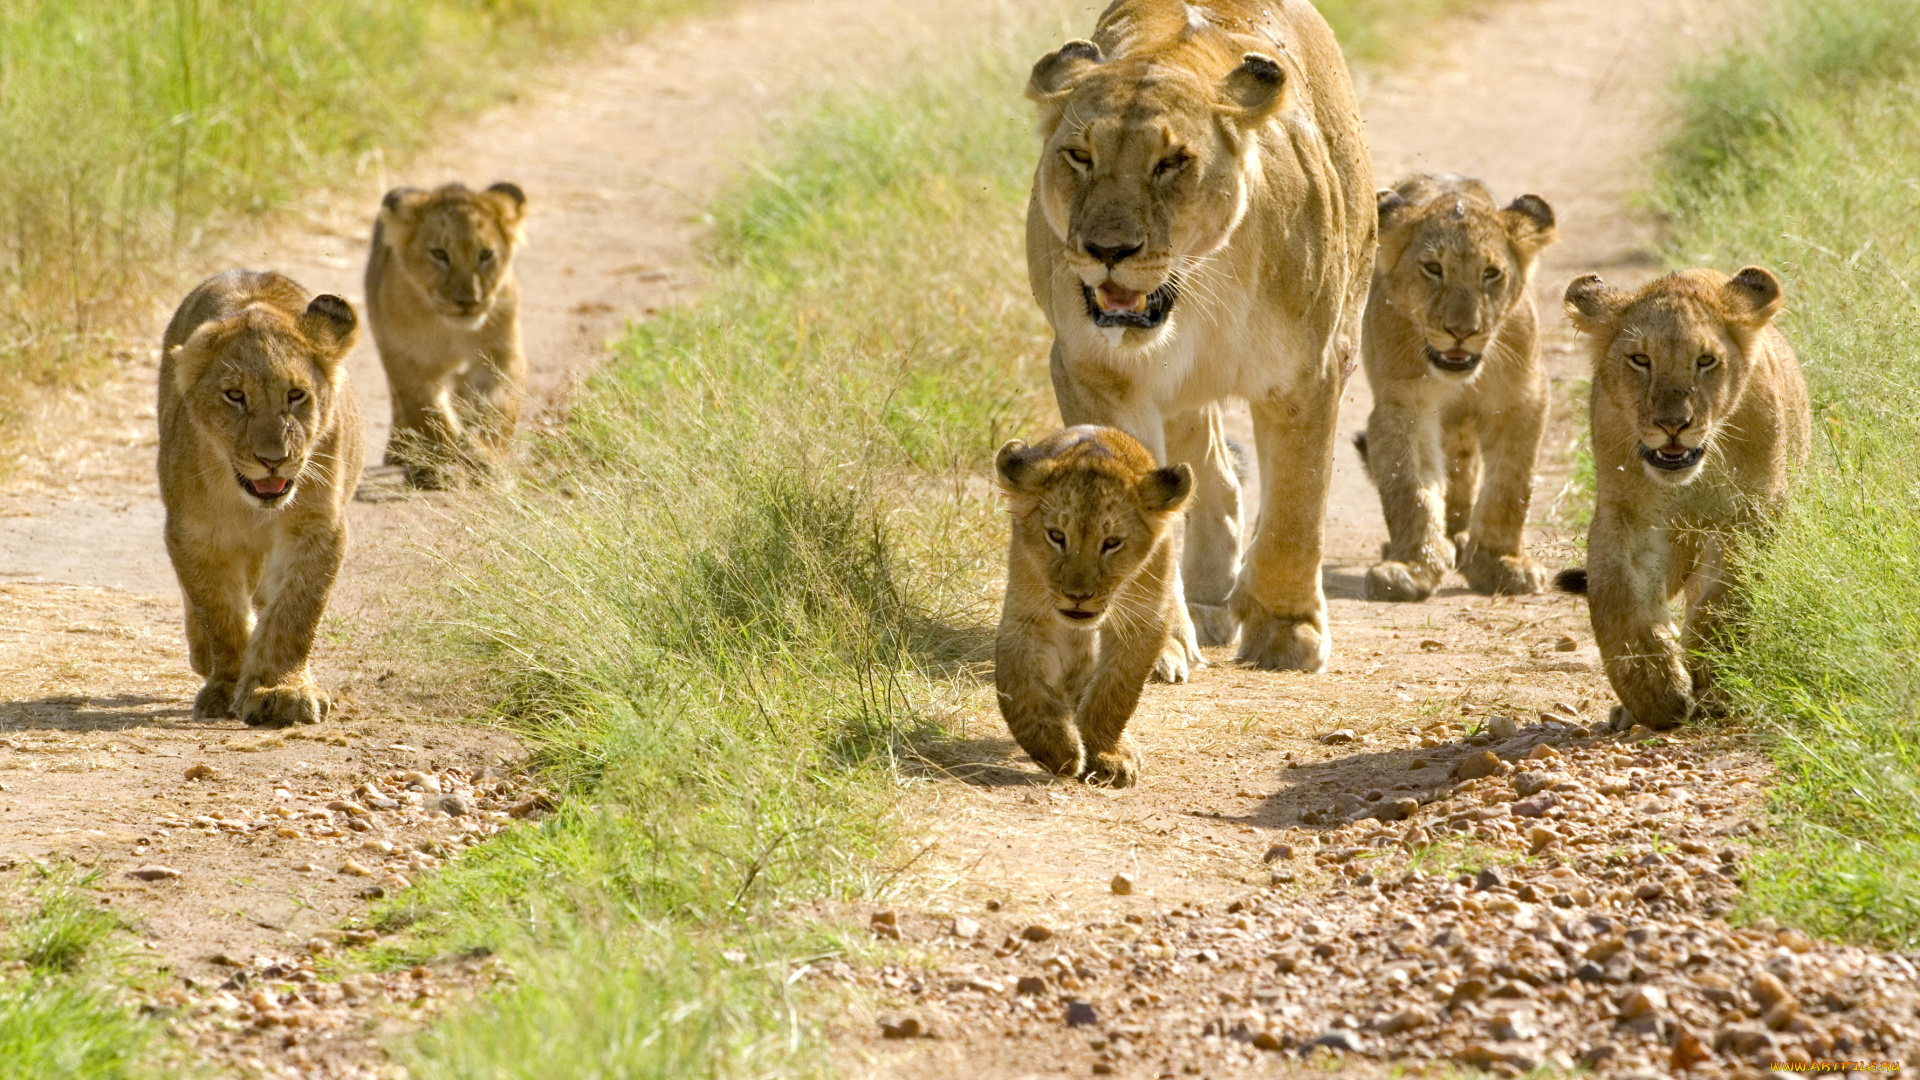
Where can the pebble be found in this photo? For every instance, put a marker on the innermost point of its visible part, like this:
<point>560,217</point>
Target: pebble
<point>1397,809</point>
<point>1337,738</point>
<point>354,869</point>
<point>453,806</point>
<point>1476,765</point>
<point>351,809</point>
<point>200,772</point>
<point>1122,884</point>
<point>1030,986</point>
<point>906,1028</point>
<point>154,872</point>
<point>1543,752</point>
<point>1338,1039</point>
<point>964,928</point>
<point>1036,933</point>
<point>1503,726</point>
<point>1536,805</point>
<point>426,781</point>
<point>1488,879</point>
<point>1278,852</point>
<point>1081,1013</point>
<point>885,924</point>
<point>1416,764</point>
<point>1642,1002</point>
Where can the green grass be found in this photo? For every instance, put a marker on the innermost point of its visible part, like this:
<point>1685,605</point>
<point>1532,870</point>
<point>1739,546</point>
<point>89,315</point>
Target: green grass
<point>755,570</point>
<point>138,130</point>
<point>60,1014</point>
<point>1800,150</point>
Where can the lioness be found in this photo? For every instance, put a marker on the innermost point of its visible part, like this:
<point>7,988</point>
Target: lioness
<point>445,312</point>
<point>1201,227</point>
<point>260,449</point>
<point>1699,415</point>
<point>1091,580</point>
<point>1452,349</point>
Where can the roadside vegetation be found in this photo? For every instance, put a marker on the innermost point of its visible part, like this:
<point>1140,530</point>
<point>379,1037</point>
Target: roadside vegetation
<point>1800,150</point>
<point>61,1017</point>
<point>138,130</point>
<point>754,573</point>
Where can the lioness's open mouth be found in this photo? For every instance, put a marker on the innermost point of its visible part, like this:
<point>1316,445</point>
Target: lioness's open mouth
<point>1673,457</point>
<point>1078,616</point>
<point>1455,361</point>
<point>1112,305</point>
<point>267,489</point>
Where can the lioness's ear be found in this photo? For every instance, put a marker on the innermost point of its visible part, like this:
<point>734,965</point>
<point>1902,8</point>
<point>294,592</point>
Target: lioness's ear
<point>1753,297</point>
<point>1255,89</point>
<point>1529,224</point>
<point>1166,490</point>
<point>330,324</point>
<point>1056,72</point>
<point>1021,472</point>
<point>191,356</point>
<point>1592,304</point>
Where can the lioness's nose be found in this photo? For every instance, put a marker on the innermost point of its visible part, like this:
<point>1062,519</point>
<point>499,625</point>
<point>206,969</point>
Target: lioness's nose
<point>271,463</point>
<point>1112,254</point>
<point>1673,425</point>
<point>1078,597</point>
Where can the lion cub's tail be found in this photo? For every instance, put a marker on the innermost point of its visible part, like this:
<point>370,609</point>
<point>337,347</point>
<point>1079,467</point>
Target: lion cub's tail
<point>1572,580</point>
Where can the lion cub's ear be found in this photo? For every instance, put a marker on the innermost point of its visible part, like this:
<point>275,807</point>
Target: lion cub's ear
<point>1256,89</point>
<point>1528,221</point>
<point>401,204</point>
<point>509,200</point>
<point>1021,472</point>
<point>329,323</point>
<point>1056,72</point>
<point>1164,491</point>
<point>1753,297</point>
<point>1592,304</point>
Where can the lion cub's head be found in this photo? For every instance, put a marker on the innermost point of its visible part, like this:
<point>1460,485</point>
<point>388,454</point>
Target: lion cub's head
<point>1143,172</point>
<point>455,245</point>
<point>264,386</point>
<point>1455,264</point>
<point>1675,357</point>
<point>1089,505</point>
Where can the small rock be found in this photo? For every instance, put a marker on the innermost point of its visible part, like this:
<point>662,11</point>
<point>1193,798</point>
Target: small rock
<point>1488,879</point>
<point>1530,781</point>
<point>1539,837</point>
<point>1476,765</point>
<point>351,809</point>
<point>1036,932</point>
<point>1507,1027</point>
<point>1566,644</point>
<point>1336,738</point>
<point>1688,1051</point>
<point>1416,764</point>
<point>1794,940</point>
<point>964,928</point>
<point>1346,802</point>
<point>1030,985</point>
<point>1543,752</point>
<point>1282,876</point>
<point>1122,884</point>
<point>1469,991</point>
<point>1536,805</point>
<point>154,872</point>
<point>200,772</point>
<point>306,868</point>
<point>1081,1014</point>
<point>537,803</point>
<point>906,1028</point>
<point>1430,645</point>
<point>1267,1040</point>
<point>1643,1001</point>
<point>1503,726</point>
<point>885,924</point>
<point>1336,1039</point>
<point>1405,1020</point>
<point>453,805</point>
<point>1397,809</point>
<point>426,781</point>
<point>1278,852</point>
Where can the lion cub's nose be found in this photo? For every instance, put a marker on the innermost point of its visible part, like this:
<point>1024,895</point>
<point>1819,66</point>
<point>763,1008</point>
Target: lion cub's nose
<point>271,463</point>
<point>1113,254</point>
<point>1079,597</point>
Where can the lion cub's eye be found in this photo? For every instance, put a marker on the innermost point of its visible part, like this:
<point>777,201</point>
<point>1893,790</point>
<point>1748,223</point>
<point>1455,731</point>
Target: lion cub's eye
<point>1171,164</point>
<point>1490,275</point>
<point>1110,544</point>
<point>1640,361</point>
<point>1707,360</point>
<point>1079,157</point>
<point>296,396</point>
<point>439,256</point>
<point>236,397</point>
<point>486,255</point>
<point>1058,538</point>
<point>1432,269</point>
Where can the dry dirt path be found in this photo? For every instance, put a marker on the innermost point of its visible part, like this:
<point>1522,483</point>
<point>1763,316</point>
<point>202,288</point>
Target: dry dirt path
<point>1219,962</point>
<point>619,155</point>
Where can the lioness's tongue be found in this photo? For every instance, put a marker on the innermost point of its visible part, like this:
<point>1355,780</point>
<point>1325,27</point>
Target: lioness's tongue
<point>270,485</point>
<point>1115,298</point>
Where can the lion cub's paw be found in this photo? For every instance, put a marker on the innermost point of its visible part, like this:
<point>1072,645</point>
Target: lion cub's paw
<point>284,706</point>
<point>1276,643</point>
<point>1502,575</point>
<point>214,701</point>
<point>1213,624</point>
<point>1400,582</point>
<point>1114,768</point>
<point>1173,665</point>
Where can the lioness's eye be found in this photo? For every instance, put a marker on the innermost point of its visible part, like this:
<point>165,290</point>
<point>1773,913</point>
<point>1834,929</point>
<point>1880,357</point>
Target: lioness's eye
<point>1170,164</point>
<point>1058,538</point>
<point>236,397</point>
<point>1707,360</point>
<point>1111,543</point>
<point>1491,274</point>
<point>1078,156</point>
<point>1640,360</point>
<point>439,255</point>
<point>296,396</point>
<point>486,255</point>
<point>1431,268</point>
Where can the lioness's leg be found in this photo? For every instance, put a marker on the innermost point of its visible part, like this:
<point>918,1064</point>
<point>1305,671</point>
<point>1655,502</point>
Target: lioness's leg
<point>1627,583</point>
<point>1030,677</point>
<point>275,688</point>
<point>1495,560</point>
<point>1462,446</point>
<point>1278,600</point>
<point>1409,466</point>
<point>1210,559</point>
<point>1708,596</point>
<point>217,609</point>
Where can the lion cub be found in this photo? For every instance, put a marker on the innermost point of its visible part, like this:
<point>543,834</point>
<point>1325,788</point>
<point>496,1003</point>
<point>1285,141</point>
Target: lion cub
<point>260,449</point>
<point>1452,349</point>
<point>445,312</point>
<point>1699,415</point>
<point>1091,576</point>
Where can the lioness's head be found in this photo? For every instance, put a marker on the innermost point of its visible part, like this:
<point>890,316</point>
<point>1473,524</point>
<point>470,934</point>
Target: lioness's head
<point>263,385</point>
<point>1675,356</point>
<point>1088,506</point>
<point>1143,172</point>
<point>455,245</point>
<point>1454,264</point>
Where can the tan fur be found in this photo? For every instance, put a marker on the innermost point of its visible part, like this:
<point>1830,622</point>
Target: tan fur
<point>1452,451</point>
<point>1092,535</point>
<point>1658,533</point>
<point>253,384</point>
<point>1211,152</point>
<point>445,311</point>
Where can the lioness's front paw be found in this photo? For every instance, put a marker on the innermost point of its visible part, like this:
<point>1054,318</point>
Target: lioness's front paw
<point>283,706</point>
<point>214,701</point>
<point>1213,624</point>
<point>1502,575</point>
<point>1278,643</point>
<point>1400,582</point>
<point>1173,665</point>
<point>1114,768</point>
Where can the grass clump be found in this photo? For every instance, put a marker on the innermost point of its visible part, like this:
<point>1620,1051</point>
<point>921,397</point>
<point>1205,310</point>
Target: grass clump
<point>136,129</point>
<point>60,1016</point>
<point>1800,150</point>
